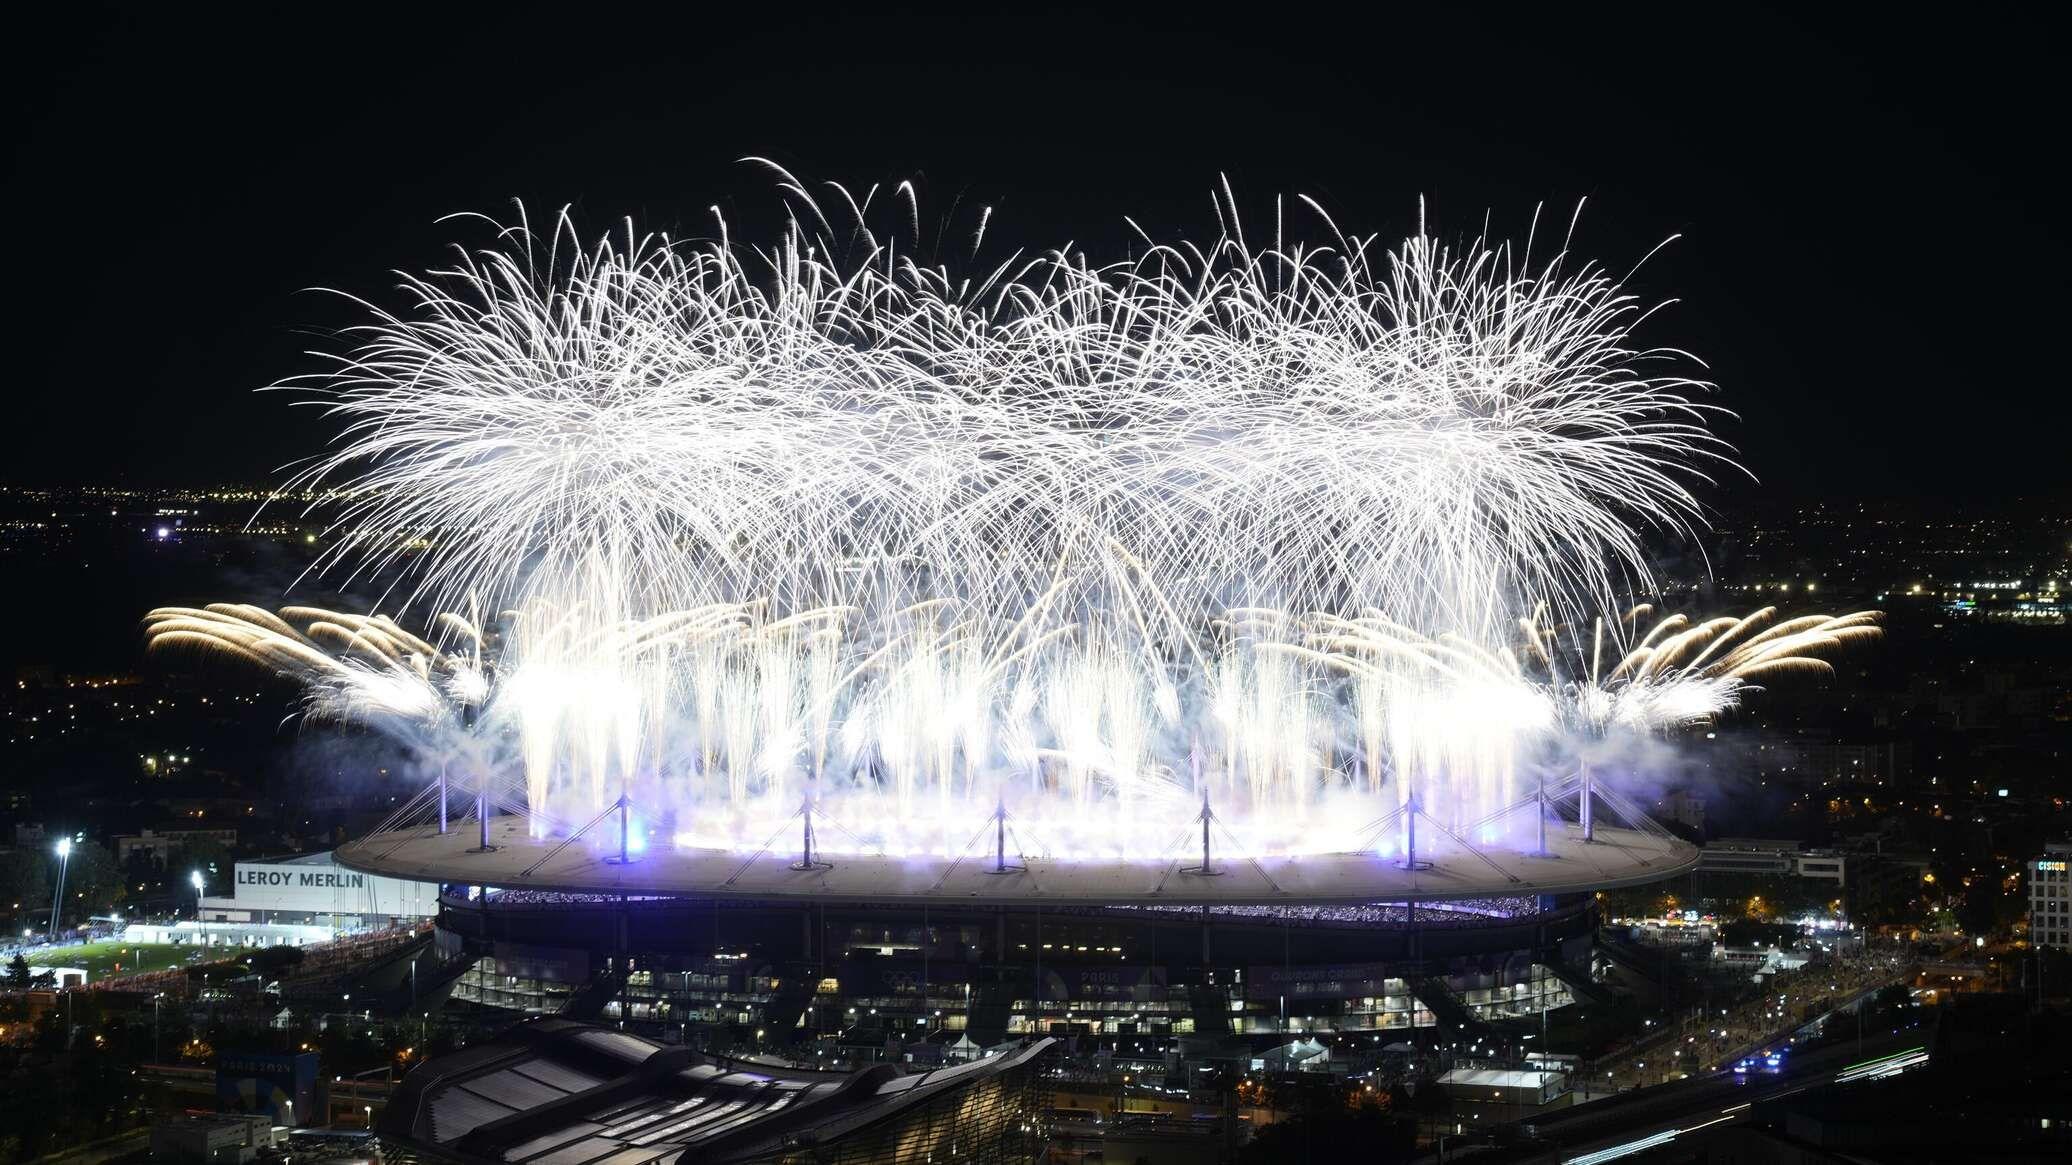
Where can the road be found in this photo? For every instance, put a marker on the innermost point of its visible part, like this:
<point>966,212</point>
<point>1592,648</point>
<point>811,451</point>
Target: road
<point>1716,1040</point>
<point>1627,1126</point>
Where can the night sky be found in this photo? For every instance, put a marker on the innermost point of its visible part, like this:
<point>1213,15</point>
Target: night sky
<point>1867,261</point>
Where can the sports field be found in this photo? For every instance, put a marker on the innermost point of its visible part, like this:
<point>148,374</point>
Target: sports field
<point>114,957</point>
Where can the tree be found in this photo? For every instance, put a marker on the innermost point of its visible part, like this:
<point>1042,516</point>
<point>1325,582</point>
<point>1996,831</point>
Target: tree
<point>1328,1134</point>
<point>274,962</point>
<point>1986,908</point>
<point>201,853</point>
<point>93,882</point>
<point>220,972</point>
<point>79,1096</point>
<point>24,881</point>
<point>141,868</point>
<point>1883,896</point>
<point>18,974</point>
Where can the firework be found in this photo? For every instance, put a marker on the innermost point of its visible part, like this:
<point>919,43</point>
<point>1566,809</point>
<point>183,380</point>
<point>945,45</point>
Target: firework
<point>356,669</point>
<point>823,522</point>
<point>1681,673</point>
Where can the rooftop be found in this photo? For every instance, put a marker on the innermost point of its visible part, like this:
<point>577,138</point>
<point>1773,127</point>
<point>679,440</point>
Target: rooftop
<point>1617,857</point>
<point>555,1092</point>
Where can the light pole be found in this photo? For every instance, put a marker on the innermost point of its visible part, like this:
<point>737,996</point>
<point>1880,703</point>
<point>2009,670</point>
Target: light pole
<point>195,880</point>
<point>57,901</point>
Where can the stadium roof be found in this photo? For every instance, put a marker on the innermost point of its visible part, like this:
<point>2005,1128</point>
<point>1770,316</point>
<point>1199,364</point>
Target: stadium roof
<point>554,1092</point>
<point>1617,857</point>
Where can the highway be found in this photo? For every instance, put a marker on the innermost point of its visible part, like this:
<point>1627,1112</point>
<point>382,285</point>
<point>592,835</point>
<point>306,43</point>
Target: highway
<point>1628,1126</point>
<point>1753,1024</point>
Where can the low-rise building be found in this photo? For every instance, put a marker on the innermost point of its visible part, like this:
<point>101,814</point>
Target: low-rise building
<point>315,889</point>
<point>1802,763</point>
<point>1823,864</point>
<point>219,1139</point>
<point>163,845</point>
<point>1683,807</point>
<point>1759,962</point>
<point>1770,857</point>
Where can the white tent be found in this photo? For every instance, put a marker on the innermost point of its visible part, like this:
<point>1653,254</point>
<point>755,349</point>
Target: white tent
<point>1301,1055</point>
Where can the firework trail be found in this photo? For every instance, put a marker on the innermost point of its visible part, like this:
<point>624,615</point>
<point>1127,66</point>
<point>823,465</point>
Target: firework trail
<point>828,520</point>
<point>355,669</point>
<point>1681,673</point>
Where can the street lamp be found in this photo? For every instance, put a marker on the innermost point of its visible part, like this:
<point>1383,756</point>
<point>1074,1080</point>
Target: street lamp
<point>57,902</point>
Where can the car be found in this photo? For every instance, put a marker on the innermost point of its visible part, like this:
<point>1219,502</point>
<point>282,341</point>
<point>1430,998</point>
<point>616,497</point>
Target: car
<point>1765,1062</point>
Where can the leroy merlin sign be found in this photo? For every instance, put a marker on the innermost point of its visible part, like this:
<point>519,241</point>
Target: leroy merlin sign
<point>328,879</point>
<point>319,885</point>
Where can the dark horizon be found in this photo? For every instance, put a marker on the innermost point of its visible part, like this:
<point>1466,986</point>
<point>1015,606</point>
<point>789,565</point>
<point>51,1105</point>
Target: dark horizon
<point>1865,233</point>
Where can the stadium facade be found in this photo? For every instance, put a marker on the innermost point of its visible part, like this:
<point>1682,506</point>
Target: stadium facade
<point>852,960</point>
<point>850,980</point>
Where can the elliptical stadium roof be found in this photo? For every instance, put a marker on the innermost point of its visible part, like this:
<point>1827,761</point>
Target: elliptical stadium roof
<point>1616,856</point>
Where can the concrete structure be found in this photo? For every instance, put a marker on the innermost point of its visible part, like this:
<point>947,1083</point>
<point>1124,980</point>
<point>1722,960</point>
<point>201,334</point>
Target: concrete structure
<point>1505,1085</point>
<point>316,889</point>
<point>227,1139</point>
<point>2050,897</point>
<point>1759,962</point>
<point>862,957</point>
<point>1771,858</point>
<point>1823,864</point>
<point>864,981</point>
<point>164,846</point>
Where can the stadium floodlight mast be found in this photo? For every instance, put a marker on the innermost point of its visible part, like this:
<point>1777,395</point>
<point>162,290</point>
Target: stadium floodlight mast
<point>195,879</point>
<point>57,901</point>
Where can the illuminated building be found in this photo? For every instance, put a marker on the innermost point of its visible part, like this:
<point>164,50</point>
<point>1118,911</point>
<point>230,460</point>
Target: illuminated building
<point>2050,897</point>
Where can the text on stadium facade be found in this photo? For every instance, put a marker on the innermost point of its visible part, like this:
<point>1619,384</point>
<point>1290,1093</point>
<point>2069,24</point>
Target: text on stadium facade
<point>321,879</point>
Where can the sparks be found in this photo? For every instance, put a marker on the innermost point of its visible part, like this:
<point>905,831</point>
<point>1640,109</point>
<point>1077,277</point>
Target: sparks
<point>822,522</point>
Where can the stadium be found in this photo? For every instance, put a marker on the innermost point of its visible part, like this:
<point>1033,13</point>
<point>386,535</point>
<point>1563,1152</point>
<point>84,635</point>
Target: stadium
<point>1211,658</point>
<point>826,956</point>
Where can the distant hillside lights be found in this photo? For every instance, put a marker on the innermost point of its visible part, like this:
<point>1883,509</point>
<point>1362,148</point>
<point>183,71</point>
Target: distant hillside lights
<point>164,764</point>
<point>2011,600</point>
